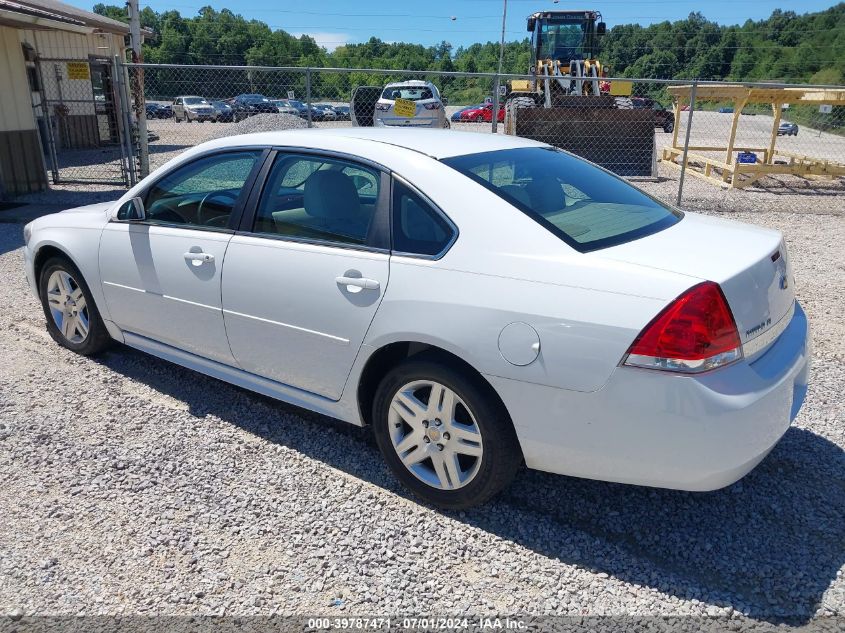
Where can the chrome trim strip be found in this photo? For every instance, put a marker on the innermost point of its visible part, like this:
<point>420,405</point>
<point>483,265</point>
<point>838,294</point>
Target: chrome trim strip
<point>111,283</point>
<point>338,339</point>
<point>763,340</point>
<point>192,303</point>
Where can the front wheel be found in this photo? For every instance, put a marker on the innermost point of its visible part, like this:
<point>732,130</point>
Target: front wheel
<point>444,434</point>
<point>72,317</point>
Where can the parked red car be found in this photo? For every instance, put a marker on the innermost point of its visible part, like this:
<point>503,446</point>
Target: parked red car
<point>483,113</point>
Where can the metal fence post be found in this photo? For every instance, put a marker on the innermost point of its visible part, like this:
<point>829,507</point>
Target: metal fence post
<point>686,140</point>
<point>123,122</point>
<point>495,116</point>
<point>126,111</point>
<point>308,95</point>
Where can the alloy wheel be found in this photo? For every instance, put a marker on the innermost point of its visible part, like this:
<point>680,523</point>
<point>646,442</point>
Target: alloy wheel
<point>68,306</point>
<point>435,435</point>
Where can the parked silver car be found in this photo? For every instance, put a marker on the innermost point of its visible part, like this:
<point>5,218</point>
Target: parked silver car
<point>414,103</point>
<point>192,108</point>
<point>326,111</point>
<point>285,107</point>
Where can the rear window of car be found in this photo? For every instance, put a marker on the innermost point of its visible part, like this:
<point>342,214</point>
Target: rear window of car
<point>586,206</point>
<point>412,93</point>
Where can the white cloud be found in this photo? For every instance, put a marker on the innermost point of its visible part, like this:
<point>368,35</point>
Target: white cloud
<point>329,41</point>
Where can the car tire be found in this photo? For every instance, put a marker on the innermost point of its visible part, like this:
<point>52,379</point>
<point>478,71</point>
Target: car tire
<point>60,281</point>
<point>669,127</point>
<point>473,478</point>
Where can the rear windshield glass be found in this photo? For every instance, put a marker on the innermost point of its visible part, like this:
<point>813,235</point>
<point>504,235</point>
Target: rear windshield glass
<point>412,93</point>
<point>587,207</point>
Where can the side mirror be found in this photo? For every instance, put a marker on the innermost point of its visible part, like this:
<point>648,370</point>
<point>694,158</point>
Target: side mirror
<point>132,211</point>
<point>601,28</point>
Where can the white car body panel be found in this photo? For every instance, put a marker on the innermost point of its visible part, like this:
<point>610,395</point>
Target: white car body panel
<point>151,290</point>
<point>299,337</point>
<point>281,300</point>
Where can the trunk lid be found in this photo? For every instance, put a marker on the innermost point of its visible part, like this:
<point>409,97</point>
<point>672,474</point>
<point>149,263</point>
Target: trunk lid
<point>749,263</point>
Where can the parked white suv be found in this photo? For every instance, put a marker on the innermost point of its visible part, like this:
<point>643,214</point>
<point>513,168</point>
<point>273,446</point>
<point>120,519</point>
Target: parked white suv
<point>192,108</point>
<point>414,103</point>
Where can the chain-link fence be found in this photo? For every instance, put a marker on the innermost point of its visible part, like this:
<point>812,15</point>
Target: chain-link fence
<point>76,104</point>
<point>667,135</point>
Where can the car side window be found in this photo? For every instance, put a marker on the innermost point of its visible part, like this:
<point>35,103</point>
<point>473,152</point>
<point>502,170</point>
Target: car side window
<point>319,198</point>
<point>418,229</point>
<point>202,193</point>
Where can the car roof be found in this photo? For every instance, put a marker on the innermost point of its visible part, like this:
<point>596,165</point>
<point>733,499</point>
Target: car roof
<point>434,143</point>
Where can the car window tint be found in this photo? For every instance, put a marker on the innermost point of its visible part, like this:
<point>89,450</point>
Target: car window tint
<point>586,206</point>
<point>202,193</point>
<point>417,228</point>
<point>317,198</point>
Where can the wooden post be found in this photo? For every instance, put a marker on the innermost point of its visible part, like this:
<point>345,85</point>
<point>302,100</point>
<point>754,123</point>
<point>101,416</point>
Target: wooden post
<point>677,122</point>
<point>738,106</point>
<point>776,111</point>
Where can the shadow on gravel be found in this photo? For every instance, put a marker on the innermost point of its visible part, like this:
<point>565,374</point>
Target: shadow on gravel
<point>768,546</point>
<point>12,236</point>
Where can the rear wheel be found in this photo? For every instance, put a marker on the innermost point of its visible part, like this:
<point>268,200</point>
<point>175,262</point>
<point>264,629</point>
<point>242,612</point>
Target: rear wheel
<point>72,317</point>
<point>444,434</point>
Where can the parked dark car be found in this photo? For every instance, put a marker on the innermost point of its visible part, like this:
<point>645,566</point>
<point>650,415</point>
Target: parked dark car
<point>224,113</point>
<point>342,112</point>
<point>247,105</point>
<point>302,108</point>
<point>158,110</point>
<point>326,111</point>
<point>787,129</point>
<point>663,118</point>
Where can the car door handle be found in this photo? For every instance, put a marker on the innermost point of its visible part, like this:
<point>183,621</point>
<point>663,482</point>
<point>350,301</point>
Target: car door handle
<point>358,282</point>
<point>199,258</point>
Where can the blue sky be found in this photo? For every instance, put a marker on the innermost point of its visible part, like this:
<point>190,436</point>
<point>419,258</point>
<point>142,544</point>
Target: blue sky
<point>335,22</point>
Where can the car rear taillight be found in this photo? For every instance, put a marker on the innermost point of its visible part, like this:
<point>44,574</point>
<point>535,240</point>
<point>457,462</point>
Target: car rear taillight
<point>382,107</point>
<point>694,333</point>
<point>432,106</point>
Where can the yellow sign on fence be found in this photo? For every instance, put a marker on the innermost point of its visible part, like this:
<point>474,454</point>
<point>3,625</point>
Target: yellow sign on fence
<point>621,88</point>
<point>78,70</point>
<point>405,108</point>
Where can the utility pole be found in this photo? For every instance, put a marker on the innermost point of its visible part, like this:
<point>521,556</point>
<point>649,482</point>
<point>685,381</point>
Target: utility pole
<point>498,75</point>
<point>138,93</point>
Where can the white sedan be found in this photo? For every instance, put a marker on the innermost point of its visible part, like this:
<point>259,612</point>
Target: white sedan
<point>481,301</point>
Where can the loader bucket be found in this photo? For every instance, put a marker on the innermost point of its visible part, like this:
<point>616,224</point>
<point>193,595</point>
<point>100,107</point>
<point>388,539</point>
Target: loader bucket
<point>621,141</point>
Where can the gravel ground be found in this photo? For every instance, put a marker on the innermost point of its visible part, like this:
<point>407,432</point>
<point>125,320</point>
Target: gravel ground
<point>133,486</point>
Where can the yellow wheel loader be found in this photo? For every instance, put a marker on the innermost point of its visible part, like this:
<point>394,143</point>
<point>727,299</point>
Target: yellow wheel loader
<point>568,103</point>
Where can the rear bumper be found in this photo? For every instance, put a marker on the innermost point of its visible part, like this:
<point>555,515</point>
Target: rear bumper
<point>412,122</point>
<point>656,429</point>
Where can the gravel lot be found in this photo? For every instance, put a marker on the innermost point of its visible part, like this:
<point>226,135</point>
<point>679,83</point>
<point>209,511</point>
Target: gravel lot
<point>133,486</point>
